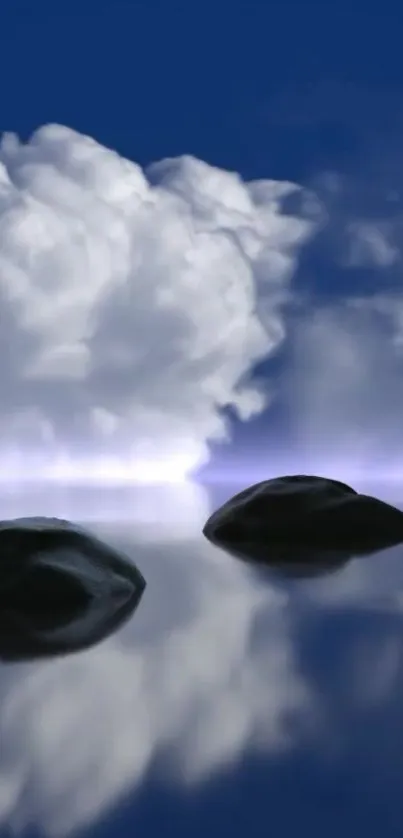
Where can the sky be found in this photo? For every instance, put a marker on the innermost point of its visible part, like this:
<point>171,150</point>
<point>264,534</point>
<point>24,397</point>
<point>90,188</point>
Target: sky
<point>200,272</point>
<point>200,237</point>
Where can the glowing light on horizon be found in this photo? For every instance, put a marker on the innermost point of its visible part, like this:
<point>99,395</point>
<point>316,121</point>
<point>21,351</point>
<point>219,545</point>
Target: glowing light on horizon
<point>20,468</point>
<point>62,469</point>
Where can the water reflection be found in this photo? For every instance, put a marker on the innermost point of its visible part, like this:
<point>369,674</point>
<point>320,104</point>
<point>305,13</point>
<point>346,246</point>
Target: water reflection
<point>216,665</point>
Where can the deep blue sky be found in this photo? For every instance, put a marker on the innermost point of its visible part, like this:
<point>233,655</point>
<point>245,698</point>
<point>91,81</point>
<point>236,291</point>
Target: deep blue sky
<point>154,79</point>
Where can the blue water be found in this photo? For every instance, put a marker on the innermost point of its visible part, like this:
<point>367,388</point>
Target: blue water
<point>228,704</point>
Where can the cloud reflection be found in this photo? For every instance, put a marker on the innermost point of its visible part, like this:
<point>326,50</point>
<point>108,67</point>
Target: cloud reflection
<point>207,670</point>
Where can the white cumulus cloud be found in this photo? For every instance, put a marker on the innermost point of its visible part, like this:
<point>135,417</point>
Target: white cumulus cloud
<point>129,305</point>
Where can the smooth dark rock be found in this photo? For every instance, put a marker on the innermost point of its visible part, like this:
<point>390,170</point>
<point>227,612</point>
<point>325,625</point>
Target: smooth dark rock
<point>303,525</point>
<point>62,589</point>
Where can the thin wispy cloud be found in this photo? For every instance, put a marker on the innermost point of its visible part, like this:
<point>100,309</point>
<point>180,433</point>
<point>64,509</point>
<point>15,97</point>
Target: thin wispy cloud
<point>343,387</point>
<point>370,244</point>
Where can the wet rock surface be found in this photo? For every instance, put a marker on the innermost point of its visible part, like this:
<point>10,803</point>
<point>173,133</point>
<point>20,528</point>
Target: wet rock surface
<point>62,589</point>
<point>303,525</point>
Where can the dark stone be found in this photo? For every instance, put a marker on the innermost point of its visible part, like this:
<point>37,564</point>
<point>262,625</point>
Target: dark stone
<point>303,525</point>
<point>62,589</point>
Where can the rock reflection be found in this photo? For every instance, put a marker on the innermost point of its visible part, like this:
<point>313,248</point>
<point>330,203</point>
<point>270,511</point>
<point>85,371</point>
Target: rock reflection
<point>61,588</point>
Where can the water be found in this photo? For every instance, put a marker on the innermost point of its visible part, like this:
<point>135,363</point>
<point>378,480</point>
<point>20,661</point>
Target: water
<point>228,704</point>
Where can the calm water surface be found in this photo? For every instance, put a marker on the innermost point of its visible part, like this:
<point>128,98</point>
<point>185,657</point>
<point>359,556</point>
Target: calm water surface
<point>229,703</point>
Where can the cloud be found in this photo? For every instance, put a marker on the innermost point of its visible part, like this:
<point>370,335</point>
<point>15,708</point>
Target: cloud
<point>343,387</point>
<point>362,234</point>
<point>346,140</point>
<point>163,688</point>
<point>369,245</point>
<point>130,305</point>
